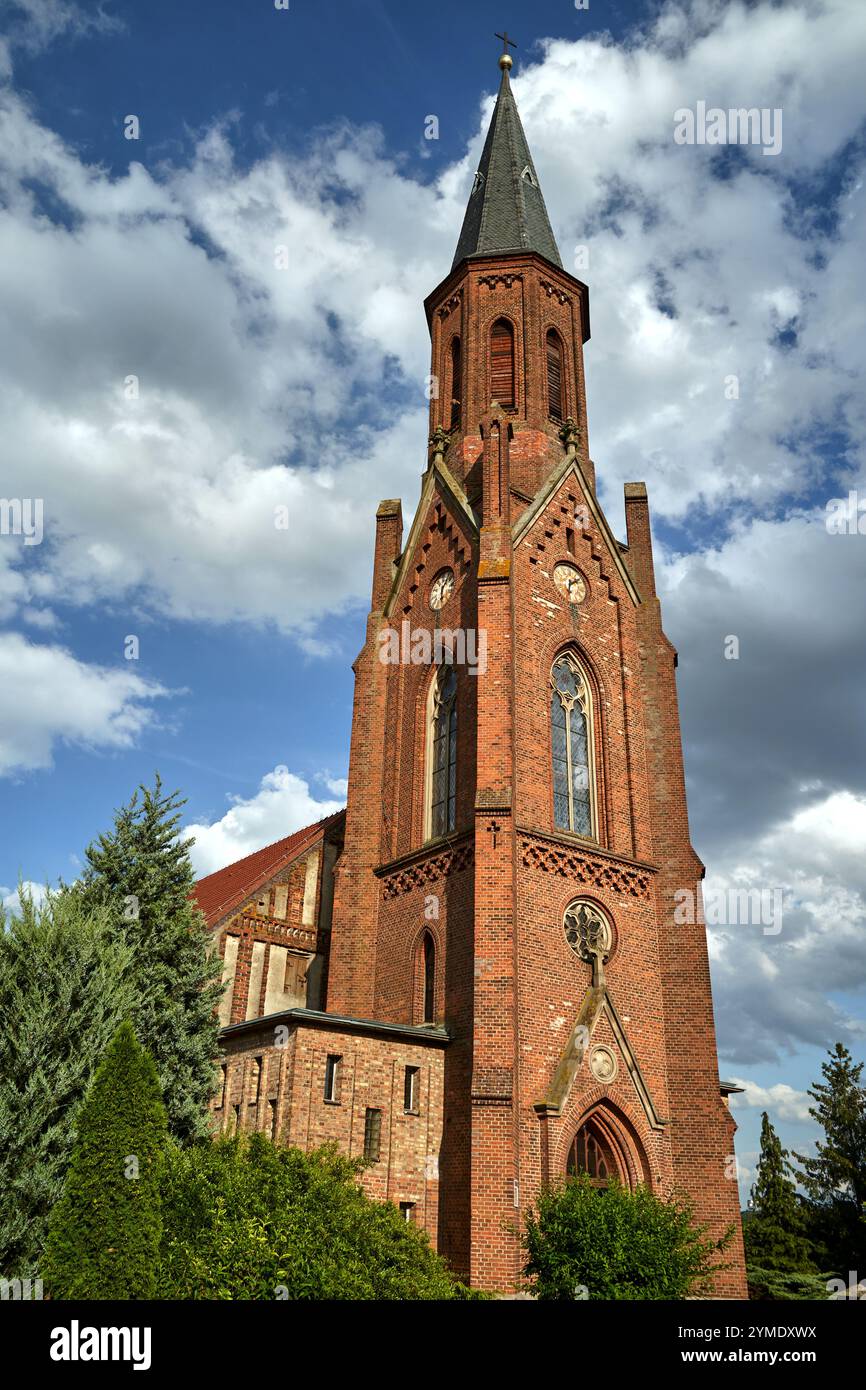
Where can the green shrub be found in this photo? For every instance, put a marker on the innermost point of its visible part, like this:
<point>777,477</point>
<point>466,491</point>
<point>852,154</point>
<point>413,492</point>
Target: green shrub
<point>771,1285</point>
<point>245,1219</point>
<point>103,1238</point>
<point>583,1242</point>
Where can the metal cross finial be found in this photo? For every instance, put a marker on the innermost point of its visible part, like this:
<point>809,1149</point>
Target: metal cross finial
<point>506,41</point>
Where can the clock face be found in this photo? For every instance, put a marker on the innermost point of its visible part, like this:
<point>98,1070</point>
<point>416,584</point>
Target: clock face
<point>442,588</point>
<point>570,582</point>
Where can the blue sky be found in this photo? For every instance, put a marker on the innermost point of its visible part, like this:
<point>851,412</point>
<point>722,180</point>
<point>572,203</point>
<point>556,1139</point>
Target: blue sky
<point>306,128</point>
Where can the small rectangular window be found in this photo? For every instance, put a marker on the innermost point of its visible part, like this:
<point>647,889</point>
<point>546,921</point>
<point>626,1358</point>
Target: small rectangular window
<point>225,1081</point>
<point>333,1067</point>
<point>372,1135</point>
<point>407,1211</point>
<point>272,1115</point>
<point>411,1078</point>
<point>255,1080</point>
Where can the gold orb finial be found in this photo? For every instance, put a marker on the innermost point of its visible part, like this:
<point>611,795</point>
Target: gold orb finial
<point>505,61</point>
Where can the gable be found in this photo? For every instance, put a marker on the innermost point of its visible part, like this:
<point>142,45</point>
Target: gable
<point>598,1021</point>
<point>443,506</point>
<point>223,892</point>
<point>546,497</point>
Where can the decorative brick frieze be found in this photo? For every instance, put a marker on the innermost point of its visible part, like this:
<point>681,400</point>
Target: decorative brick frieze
<point>555,290</point>
<point>452,303</point>
<point>423,871</point>
<point>504,278</point>
<point>584,865</point>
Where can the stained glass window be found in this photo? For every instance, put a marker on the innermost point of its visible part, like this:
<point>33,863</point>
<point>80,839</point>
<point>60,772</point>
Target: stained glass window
<point>590,1153</point>
<point>443,782</point>
<point>569,716</point>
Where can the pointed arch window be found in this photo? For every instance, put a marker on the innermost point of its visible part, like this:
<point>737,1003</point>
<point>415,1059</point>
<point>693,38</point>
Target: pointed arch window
<point>442,757</point>
<point>428,953</point>
<point>571,739</point>
<point>456,383</point>
<point>502,363</point>
<point>592,1153</point>
<point>554,375</point>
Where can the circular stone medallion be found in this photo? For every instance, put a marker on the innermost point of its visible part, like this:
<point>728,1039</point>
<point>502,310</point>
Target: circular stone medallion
<point>602,1064</point>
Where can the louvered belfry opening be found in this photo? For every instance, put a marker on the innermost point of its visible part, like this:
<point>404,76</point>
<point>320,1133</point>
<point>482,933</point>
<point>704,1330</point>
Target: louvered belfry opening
<point>456,383</point>
<point>502,363</point>
<point>554,375</point>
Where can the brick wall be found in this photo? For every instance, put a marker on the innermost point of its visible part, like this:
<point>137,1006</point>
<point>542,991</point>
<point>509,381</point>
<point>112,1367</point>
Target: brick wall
<point>275,1083</point>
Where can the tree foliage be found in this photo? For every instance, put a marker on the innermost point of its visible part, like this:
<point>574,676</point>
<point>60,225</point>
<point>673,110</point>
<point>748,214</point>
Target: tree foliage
<point>835,1176</point>
<point>104,1234</point>
<point>775,1233</point>
<point>583,1242</point>
<point>65,986</point>
<point>141,872</point>
<point>246,1219</point>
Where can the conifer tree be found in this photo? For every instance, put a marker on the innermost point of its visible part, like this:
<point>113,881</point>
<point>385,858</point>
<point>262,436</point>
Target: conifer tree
<point>835,1176</point>
<point>774,1234</point>
<point>65,987</point>
<point>104,1234</point>
<point>141,870</point>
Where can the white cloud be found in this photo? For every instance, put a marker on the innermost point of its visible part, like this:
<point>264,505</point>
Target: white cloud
<point>282,805</point>
<point>34,24</point>
<point>780,1101</point>
<point>337,786</point>
<point>11,897</point>
<point>48,696</point>
<point>774,989</point>
<point>310,393</point>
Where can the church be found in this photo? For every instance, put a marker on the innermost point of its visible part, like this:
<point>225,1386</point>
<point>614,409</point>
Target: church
<point>477,975</point>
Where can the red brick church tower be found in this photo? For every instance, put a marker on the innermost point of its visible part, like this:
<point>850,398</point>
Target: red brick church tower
<point>505,929</point>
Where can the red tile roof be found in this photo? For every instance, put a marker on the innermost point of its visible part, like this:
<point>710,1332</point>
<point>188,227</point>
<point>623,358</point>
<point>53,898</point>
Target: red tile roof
<point>218,893</point>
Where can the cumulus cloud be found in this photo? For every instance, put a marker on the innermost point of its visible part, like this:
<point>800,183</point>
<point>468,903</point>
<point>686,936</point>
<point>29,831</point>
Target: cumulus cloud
<point>302,386</point>
<point>11,897</point>
<point>775,987</point>
<point>283,804</point>
<point>780,1100</point>
<point>48,696</point>
<point>779,725</point>
<point>31,25</point>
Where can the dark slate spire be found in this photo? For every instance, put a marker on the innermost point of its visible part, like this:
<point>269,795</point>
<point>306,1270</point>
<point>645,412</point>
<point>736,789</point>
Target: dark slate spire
<point>506,209</point>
